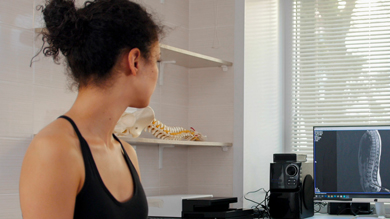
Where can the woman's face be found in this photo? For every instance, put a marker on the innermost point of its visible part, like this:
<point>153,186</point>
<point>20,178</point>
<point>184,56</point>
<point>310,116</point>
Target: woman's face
<point>148,75</point>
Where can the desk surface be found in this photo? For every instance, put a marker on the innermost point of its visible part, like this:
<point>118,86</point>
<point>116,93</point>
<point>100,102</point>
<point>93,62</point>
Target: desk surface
<point>327,216</point>
<point>316,216</point>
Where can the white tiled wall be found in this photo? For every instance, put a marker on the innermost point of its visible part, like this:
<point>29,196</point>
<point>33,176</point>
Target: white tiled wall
<point>170,103</point>
<point>16,89</point>
<point>211,96</point>
<point>200,98</point>
<point>17,13</point>
<point>31,97</point>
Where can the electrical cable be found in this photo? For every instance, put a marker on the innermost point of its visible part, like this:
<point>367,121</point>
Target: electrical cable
<point>264,212</point>
<point>354,211</point>
<point>253,192</point>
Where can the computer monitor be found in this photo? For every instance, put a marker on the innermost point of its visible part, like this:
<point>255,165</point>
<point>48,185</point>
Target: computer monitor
<point>352,163</point>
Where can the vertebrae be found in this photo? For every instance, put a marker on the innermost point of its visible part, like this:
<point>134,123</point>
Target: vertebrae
<point>159,130</point>
<point>369,160</point>
<point>133,122</point>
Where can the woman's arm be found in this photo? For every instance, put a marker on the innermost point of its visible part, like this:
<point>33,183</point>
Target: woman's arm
<point>50,178</point>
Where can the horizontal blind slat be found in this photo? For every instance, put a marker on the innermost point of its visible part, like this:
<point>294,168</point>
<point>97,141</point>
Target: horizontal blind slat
<point>313,22</point>
<point>349,123</point>
<point>342,60</point>
<point>339,95</point>
<point>330,49</point>
<point>323,37</point>
<point>339,89</point>
<point>352,78</point>
<point>309,73</point>
<point>351,104</point>
<point>297,55</point>
<point>340,108</point>
<point>344,33</point>
<point>315,4</point>
<point>310,83</point>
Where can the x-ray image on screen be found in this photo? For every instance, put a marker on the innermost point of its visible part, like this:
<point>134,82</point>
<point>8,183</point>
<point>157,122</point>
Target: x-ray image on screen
<point>351,161</point>
<point>369,156</point>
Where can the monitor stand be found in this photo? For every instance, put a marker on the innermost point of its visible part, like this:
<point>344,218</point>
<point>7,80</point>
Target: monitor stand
<point>379,211</point>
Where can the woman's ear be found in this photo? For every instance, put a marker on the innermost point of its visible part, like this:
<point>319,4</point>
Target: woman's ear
<point>133,60</point>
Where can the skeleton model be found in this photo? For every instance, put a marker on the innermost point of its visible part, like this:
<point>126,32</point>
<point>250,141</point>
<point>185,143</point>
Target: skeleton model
<point>134,121</point>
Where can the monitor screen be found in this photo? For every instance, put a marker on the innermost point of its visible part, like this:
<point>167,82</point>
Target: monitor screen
<point>351,162</point>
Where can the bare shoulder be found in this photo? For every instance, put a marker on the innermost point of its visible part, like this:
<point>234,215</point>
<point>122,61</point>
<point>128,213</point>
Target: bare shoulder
<point>56,142</point>
<point>51,173</point>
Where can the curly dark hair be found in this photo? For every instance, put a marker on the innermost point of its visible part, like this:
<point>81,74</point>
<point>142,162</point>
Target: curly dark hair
<point>92,38</point>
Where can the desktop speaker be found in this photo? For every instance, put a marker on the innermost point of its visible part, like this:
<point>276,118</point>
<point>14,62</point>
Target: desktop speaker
<point>285,175</point>
<point>289,197</point>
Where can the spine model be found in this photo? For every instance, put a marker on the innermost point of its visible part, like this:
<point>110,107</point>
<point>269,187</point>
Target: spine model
<point>162,131</point>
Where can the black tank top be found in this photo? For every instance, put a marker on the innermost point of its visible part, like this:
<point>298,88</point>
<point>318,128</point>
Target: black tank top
<point>95,201</point>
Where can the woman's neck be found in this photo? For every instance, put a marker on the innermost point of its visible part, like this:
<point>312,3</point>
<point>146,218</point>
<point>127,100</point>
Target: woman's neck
<point>96,112</point>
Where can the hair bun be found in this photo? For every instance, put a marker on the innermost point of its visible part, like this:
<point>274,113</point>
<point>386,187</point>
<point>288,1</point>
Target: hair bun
<point>63,24</point>
<point>93,38</point>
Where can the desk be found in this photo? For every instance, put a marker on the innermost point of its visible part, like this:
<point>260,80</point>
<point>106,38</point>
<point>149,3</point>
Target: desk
<point>327,216</point>
<point>316,216</point>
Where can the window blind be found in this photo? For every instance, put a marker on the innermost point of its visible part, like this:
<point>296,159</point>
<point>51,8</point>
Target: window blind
<point>341,66</point>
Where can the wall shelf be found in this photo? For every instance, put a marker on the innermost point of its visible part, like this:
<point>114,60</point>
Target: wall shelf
<point>150,141</point>
<point>170,144</point>
<point>184,57</point>
<point>190,59</point>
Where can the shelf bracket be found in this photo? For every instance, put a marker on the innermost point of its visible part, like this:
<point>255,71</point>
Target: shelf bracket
<point>160,154</point>
<point>224,67</point>
<point>225,148</point>
<point>161,70</point>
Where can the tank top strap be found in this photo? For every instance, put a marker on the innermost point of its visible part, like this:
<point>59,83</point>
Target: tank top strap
<point>73,124</point>
<point>117,139</point>
<point>83,143</point>
<point>128,161</point>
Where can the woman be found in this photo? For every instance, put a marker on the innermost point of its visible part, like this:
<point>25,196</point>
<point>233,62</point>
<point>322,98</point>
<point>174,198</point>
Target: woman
<point>75,167</point>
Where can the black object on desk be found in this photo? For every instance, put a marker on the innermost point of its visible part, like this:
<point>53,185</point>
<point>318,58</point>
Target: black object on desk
<point>290,198</point>
<point>349,208</point>
<point>213,207</point>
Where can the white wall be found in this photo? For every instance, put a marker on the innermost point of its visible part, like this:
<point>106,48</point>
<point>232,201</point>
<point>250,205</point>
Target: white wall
<point>285,10</point>
<point>170,103</point>
<point>29,96</point>
<point>211,101</point>
<point>200,98</point>
<point>261,86</point>
<point>239,68</point>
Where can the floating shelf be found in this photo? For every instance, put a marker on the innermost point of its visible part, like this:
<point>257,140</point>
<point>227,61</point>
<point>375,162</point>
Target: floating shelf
<point>170,144</point>
<point>150,141</point>
<point>190,59</point>
<point>184,57</point>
